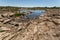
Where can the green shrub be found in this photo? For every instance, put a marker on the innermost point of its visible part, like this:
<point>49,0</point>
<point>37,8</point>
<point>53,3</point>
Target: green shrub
<point>18,14</point>
<point>2,30</point>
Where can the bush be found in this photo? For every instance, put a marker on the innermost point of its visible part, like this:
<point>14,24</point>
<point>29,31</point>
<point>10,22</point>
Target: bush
<point>18,14</point>
<point>2,30</point>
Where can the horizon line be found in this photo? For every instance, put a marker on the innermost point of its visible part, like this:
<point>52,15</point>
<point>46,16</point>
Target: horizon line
<point>29,6</point>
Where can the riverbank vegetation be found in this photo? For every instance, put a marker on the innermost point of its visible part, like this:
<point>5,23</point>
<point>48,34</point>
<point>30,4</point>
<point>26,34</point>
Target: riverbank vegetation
<point>18,14</point>
<point>10,8</point>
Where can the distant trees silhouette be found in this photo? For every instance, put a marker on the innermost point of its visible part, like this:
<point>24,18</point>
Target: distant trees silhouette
<point>9,8</point>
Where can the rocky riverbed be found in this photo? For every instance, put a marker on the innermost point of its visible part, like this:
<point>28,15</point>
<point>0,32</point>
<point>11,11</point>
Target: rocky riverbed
<point>46,27</point>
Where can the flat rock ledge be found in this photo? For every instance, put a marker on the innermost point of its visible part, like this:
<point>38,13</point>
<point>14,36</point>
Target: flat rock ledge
<point>47,27</point>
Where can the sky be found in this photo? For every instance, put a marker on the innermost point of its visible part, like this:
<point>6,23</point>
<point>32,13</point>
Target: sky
<point>30,3</point>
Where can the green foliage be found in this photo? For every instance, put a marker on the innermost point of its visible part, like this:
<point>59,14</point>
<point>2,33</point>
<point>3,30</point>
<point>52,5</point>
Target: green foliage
<point>2,30</point>
<point>18,14</point>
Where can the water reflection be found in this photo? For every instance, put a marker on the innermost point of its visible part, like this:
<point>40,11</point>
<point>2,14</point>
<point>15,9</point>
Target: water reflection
<point>34,13</point>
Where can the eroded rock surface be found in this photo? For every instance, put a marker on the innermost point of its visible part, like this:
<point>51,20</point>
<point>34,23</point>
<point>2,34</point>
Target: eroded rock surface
<point>47,27</point>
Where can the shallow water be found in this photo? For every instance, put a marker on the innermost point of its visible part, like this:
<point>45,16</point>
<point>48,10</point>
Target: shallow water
<point>35,13</point>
